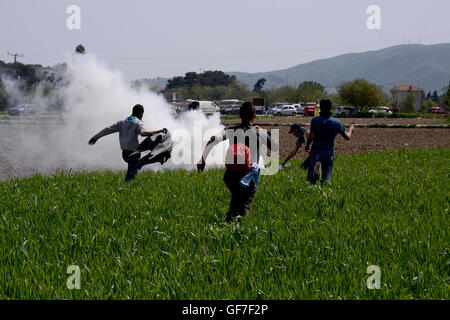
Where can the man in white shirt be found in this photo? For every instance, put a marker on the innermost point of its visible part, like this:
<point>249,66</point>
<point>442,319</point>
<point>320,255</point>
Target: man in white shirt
<point>129,131</point>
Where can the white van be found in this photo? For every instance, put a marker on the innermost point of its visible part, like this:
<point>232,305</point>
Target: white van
<point>208,107</point>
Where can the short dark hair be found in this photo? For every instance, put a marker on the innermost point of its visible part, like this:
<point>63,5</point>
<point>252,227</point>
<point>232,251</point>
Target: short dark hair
<point>137,110</point>
<point>247,111</point>
<point>325,105</point>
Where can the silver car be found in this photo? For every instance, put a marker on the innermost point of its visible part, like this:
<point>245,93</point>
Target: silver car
<point>344,111</point>
<point>24,110</point>
<point>299,108</point>
<point>286,110</point>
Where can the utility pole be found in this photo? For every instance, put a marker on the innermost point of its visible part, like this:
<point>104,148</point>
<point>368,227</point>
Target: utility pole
<point>15,55</point>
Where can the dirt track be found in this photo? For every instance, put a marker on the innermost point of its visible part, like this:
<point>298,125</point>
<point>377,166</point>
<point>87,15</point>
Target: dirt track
<point>364,140</point>
<point>375,139</point>
<point>345,121</point>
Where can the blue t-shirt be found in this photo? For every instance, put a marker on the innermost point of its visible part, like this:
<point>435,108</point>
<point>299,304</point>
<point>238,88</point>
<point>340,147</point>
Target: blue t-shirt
<point>325,129</point>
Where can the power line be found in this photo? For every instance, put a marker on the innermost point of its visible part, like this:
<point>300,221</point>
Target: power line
<point>15,55</point>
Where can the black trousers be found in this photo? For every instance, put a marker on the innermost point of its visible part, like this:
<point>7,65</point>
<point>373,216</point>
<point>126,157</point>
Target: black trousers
<point>135,165</point>
<point>241,197</point>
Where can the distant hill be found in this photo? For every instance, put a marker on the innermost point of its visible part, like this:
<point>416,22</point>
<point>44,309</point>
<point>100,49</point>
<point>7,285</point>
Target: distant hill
<point>424,66</point>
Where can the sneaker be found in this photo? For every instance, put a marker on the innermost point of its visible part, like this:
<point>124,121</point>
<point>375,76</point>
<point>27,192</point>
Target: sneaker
<point>316,172</point>
<point>231,218</point>
<point>166,156</point>
<point>234,219</point>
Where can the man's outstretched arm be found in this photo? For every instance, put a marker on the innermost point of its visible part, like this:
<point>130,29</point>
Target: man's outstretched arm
<point>348,134</point>
<point>108,130</point>
<point>211,143</point>
<point>144,133</point>
<point>296,148</point>
<point>309,141</point>
<point>290,156</point>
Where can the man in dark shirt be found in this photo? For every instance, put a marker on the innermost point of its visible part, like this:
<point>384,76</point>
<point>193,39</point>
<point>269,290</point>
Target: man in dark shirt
<point>322,133</point>
<point>252,138</point>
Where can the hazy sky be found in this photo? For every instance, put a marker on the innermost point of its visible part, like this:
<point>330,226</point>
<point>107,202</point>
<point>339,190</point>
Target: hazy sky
<point>149,38</point>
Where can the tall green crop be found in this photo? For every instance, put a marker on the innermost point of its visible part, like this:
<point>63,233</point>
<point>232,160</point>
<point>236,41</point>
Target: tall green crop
<point>164,237</point>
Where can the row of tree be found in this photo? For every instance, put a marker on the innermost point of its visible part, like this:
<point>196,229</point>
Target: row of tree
<point>205,79</point>
<point>25,79</point>
<point>217,85</point>
<point>358,93</point>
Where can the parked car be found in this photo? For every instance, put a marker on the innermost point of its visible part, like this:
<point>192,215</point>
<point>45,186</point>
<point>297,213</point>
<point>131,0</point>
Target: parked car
<point>225,109</point>
<point>437,110</point>
<point>381,110</point>
<point>24,110</point>
<point>309,111</point>
<point>286,110</point>
<point>234,109</point>
<point>299,108</point>
<point>344,111</point>
<point>208,107</point>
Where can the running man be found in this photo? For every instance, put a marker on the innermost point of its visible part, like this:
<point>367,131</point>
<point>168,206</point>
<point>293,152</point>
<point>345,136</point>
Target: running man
<point>323,131</point>
<point>242,173</point>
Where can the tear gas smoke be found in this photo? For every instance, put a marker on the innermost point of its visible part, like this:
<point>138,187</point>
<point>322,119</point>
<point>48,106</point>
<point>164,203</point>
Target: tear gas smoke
<point>94,97</point>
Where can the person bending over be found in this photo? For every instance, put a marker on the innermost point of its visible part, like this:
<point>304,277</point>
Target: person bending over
<point>300,134</point>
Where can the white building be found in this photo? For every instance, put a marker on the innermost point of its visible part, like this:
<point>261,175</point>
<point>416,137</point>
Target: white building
<point>400,93</point>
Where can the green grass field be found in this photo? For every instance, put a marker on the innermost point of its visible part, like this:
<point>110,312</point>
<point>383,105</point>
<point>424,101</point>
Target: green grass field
<point>164,236</point>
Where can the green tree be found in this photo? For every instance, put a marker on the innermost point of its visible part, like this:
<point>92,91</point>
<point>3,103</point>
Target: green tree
<point>205,79</point>
<point>259,85</point>
<point>408,104</point>
<point>361,94</point>
<point>310,91</point>
<point>335,99</point>
<point>80,49</point>
<point>447,96</point>
<point>428,103</point>
<point>3,98</point>
<point>435,96</point>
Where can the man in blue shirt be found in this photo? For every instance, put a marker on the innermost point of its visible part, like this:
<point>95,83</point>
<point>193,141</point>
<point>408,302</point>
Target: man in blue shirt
<point>322,132</point>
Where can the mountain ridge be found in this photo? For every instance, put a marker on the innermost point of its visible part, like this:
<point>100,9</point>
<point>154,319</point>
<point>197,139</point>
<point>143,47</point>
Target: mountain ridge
<point>424,66</point>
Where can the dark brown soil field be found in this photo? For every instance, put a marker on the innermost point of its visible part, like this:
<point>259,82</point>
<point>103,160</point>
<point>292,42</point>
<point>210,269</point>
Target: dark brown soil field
<point>364,139</point>
<point>345,121</point>
<point>374,139</point>
<point>15,163</point>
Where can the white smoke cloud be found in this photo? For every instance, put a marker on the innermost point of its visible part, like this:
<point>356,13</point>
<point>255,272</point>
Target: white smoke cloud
<point>95,97</point>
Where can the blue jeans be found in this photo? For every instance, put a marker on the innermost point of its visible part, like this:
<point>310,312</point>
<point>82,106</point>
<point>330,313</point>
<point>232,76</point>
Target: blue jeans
<point>327,166</point>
